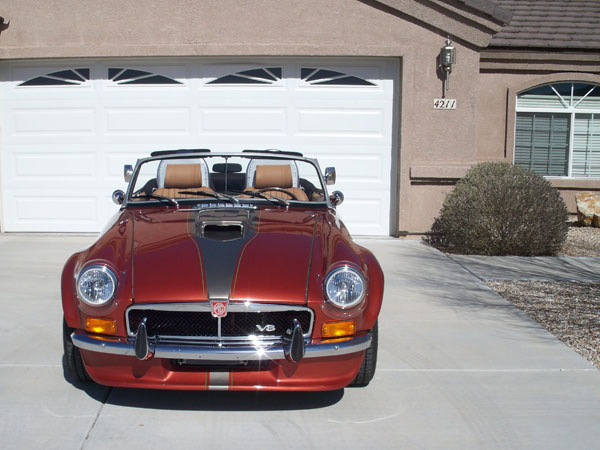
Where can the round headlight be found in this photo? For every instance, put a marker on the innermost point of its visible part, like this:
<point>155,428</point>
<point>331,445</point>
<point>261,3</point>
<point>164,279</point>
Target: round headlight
<point>96,285</point>
<point>345,287</point>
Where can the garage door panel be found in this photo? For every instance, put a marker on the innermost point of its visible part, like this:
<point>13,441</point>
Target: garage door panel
<point>52,122</point>
<point>48,95</point>
<point>365,214</point>
<point>357,168</point>
<point>46,162</point>
<point>229,121</point>
<point>244,142</point>
<point>249,99</point>
<point>53,211</point>
<point>340,122</point>
<point>166,97</point>
<point>40,166</point>
<point>57,208</point>
<point>144,121</point>
<point>76,138</point>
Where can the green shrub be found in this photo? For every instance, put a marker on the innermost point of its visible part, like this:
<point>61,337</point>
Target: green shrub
<point>500,209</point>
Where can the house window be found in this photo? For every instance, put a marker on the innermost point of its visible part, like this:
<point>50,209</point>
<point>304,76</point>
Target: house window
<point>558,130</point>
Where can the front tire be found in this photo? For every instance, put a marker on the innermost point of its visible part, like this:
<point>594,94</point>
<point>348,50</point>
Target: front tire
<point>73,360</point>
<point>367,368</point>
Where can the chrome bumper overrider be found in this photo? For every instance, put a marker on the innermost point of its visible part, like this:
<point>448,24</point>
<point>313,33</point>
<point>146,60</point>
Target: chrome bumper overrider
<point>226,353</point>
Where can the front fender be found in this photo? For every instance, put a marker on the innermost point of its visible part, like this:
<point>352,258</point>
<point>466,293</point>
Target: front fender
<point>113,248</point>
<point>332,247</point>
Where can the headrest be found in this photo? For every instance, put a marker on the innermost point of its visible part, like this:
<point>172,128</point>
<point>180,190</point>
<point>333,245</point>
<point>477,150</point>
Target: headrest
<point>183,176</point>
<point>273,176</point>
<point>162,170</point>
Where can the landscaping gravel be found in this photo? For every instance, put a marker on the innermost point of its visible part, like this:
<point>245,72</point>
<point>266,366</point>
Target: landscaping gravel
<point>570,311</point>
<point>582,241</point>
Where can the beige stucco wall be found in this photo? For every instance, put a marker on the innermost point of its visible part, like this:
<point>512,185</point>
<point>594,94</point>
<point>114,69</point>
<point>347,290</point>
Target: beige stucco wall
<point>429,141</point>
<point>436,144</point>
<point>75,28</point>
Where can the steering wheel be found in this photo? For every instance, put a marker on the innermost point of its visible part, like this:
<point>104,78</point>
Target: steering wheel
<point>278,189</point>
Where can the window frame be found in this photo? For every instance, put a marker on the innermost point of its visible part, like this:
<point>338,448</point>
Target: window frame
<point>570,109</point>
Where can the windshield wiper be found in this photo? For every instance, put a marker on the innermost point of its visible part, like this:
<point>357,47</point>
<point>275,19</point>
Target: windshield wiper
<point>269,197</point>
<point>156,197</point>
<point>213,195</point>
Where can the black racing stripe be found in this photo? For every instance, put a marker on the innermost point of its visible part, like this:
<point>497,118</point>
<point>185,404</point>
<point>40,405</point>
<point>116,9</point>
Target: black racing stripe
<point>220,257</point>
<point>192,234</point>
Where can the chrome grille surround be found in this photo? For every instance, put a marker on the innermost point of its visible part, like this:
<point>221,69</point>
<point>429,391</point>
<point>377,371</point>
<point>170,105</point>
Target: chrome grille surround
<point>233,308</point>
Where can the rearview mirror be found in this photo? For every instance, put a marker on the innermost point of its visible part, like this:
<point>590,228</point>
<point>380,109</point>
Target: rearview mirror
<point>127,172</point>
<point>329,175</point>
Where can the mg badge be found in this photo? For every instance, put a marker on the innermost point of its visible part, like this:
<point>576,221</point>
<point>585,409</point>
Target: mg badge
<point>218,308</point>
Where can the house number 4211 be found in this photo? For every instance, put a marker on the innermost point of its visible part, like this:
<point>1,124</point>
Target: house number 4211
<point>444,103</point>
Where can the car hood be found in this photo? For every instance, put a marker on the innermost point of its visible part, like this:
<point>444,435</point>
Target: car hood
<point>242,254</point>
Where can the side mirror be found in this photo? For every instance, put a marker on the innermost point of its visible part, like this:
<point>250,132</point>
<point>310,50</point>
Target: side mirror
<point>118,197</point>
<point>127,172</point>
<point>336,198</point>
<point>329,175</point>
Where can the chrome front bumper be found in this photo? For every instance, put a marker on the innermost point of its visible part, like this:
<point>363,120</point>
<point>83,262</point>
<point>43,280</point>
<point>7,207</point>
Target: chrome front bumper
<point>214,353</point>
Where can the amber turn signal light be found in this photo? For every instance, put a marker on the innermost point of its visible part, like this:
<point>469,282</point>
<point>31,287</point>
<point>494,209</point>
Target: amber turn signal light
<point>338,329</point>
<point>100,326</point>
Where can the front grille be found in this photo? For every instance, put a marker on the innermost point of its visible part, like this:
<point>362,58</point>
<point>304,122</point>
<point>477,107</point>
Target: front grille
<point>174,323</point>
<point>201,324</point>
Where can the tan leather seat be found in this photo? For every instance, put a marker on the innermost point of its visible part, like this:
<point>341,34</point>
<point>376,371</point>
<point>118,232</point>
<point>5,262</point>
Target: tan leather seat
<point>276,176</point>
<point>182,177</point>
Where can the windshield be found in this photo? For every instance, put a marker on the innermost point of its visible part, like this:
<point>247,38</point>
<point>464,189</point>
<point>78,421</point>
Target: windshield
<point>233,179</point>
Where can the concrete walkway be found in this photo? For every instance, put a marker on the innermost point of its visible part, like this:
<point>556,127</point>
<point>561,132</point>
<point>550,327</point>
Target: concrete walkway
<point>459,368</point>
<point>519,268</point>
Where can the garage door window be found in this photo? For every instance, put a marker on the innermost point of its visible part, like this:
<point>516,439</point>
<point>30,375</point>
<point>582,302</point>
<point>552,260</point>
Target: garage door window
<point>132,76</point>
<point>326,77</point>
<point>558,130</point>
<point>270,75</point>
<point>71,77</point>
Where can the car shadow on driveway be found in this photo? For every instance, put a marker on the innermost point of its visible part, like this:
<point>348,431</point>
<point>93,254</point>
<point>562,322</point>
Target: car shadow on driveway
<point>222,401</point>
<point>205,400</point>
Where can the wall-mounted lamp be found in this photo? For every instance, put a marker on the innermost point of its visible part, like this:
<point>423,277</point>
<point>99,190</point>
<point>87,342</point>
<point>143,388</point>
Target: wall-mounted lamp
<point>446,58</point>
<point>3,23</point>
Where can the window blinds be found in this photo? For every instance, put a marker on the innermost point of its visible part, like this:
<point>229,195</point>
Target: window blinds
<point>586,146</point>
<point>542,142</point>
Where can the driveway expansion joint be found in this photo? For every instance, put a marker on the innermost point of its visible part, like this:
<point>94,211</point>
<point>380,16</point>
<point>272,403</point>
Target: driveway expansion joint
<point>536,268</point>
<point>96,417</point>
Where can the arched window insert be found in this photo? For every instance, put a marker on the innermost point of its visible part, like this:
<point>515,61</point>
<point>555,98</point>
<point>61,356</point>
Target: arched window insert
<point>270,75</point>
<point>325,77</point>
<point>558,130</point>
<point>119,75</point>
<point>69,77</point>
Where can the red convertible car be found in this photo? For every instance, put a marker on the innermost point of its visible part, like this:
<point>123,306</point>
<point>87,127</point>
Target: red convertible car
<point>227,271</point>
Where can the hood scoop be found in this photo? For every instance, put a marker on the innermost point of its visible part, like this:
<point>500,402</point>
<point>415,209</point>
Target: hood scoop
<point>222,231</point>
<point>222,225</point>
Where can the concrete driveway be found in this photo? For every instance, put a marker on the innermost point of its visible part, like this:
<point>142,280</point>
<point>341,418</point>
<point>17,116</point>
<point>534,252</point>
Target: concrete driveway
<point>458,368</point>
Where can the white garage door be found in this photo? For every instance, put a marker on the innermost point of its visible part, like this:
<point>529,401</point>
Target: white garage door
<point>68,129</point>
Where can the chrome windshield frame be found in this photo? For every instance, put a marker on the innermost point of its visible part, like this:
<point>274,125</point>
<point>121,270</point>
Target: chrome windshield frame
<point>246,155</point>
